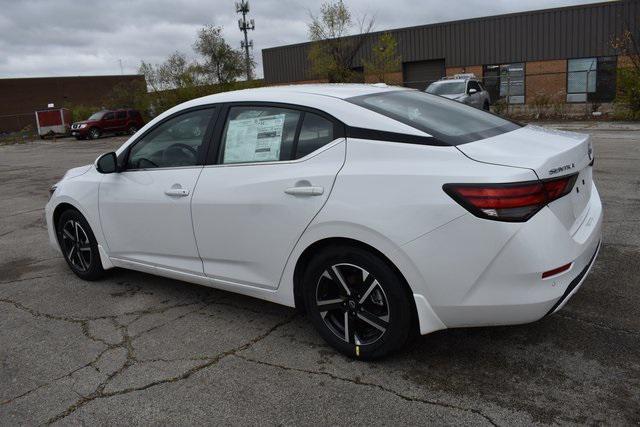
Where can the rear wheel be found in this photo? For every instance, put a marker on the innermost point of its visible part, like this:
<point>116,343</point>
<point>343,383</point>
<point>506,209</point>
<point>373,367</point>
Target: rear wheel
<point>94,133</point>
<point>132,129</point>
<point>79,245</point>
<point>357,302</point>
<point>485,107</point>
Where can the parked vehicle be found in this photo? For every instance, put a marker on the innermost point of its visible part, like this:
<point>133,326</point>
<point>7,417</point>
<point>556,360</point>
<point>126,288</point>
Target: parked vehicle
<point>465,88</point>
<point>53,122</point>
<point>108,122</point>
<point>381,211</point>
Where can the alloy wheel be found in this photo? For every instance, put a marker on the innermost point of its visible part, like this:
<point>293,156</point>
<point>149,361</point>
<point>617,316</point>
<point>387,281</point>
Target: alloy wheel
<point>76,245</point>
<point>352,304</point>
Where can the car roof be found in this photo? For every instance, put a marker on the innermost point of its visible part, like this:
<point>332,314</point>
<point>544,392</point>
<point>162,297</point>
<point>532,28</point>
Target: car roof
<point>272,93</point>
<point>328,98</point>
<point>452,81</point>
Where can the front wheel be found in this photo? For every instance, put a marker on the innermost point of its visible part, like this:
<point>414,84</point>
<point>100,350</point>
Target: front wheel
<point>357,302</point>
<point>485,106</point>
<point>94,133</point>
<point>79,245</point>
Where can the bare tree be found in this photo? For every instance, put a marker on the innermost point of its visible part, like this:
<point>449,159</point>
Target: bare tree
<point>222,63</point>
<point>175,72</point>
<point>336,43</point>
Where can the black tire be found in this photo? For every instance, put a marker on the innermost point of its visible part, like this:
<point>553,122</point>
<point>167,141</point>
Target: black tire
<point>485,107</point>
<point>132,129</point>
<point>94,133</point>
<point>387,302</point>
<point>79,246</point>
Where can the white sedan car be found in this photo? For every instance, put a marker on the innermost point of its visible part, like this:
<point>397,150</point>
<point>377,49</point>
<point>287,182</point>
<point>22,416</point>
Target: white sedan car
<point>381,211</point>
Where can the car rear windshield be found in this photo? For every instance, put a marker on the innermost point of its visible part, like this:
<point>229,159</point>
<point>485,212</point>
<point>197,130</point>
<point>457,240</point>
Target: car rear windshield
<point>449,121</point>
<point>446,88</point>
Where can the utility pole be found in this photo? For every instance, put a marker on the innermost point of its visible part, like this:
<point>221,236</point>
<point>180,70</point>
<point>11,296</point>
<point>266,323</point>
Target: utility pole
<point>243,7</point>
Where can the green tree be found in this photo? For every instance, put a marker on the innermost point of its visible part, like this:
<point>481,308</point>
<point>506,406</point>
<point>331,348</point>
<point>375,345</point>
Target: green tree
<point>628,93</point>
<point>222,63</point>
<point>336,45</point>
<point>384,59</point>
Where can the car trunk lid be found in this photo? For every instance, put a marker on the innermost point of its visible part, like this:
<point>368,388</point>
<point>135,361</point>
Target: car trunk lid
<point>550,154</point>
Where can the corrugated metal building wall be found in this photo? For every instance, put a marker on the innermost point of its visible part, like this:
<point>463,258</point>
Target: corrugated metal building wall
<point>568,32</point>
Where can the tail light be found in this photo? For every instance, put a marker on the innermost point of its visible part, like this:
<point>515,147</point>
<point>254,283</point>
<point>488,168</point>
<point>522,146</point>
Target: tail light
<point>514,202</point>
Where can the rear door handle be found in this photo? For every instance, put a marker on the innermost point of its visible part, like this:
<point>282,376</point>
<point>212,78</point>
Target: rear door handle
<point>177,192</point>
<point>305,191</point>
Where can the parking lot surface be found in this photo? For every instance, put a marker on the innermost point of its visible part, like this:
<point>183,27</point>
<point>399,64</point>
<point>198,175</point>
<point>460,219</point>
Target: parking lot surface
<point>137,349</point>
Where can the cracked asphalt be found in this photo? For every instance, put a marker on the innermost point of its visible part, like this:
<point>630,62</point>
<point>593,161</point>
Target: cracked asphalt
<point>139,349</point>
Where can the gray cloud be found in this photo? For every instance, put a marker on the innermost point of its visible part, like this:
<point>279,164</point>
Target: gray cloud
<point>87,37</point>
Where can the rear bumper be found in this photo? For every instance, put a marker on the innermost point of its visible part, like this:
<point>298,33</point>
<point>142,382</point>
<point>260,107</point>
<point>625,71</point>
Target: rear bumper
<point>575,283</point>
<point>479,272</point>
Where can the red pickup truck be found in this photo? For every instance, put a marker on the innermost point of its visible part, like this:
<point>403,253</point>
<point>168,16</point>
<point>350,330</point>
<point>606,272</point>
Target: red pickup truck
<point>108,122</point>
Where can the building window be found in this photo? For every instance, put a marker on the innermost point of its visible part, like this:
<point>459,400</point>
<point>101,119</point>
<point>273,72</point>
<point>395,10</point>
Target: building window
<point>591,79</point>
<point>505,81</point>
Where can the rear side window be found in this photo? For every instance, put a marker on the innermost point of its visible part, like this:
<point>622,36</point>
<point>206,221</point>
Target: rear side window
<point>259,134</point>
<point>449,121</point>
<point>315,132</point>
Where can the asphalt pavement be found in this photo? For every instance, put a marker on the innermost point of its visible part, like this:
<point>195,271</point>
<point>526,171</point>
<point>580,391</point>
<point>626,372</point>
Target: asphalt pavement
<point>139,349</point>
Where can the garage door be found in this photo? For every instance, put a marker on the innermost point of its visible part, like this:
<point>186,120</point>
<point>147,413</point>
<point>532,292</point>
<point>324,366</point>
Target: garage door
<point>420,74</point>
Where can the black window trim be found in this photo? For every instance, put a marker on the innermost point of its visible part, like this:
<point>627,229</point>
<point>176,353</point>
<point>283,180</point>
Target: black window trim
<point>213,134</point>
<point>123,158</point>
<point>442,141</point>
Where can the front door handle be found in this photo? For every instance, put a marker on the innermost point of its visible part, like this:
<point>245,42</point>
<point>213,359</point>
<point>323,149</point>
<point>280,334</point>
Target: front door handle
<point>305,191</point>
<point>177,192</point>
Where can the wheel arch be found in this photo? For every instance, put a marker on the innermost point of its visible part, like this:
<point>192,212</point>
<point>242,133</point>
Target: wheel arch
<point>66,205</point>
<point>319,245</point>
<point>59,209</point>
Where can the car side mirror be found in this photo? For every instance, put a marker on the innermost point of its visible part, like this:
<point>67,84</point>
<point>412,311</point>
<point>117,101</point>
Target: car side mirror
<point>472,91</point>
<point>107,163</point>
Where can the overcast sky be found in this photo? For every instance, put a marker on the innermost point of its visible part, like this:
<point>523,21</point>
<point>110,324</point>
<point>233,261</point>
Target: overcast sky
<point>87,37</point>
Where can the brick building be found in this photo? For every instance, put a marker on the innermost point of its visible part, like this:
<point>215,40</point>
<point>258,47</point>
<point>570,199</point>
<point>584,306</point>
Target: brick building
<point>21,97</point>
<point>563,54</point>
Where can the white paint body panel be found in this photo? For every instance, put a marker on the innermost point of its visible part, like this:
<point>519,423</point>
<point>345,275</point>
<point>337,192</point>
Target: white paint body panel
<point>246,225</point>
<point>238,230</point>
<point>143,224</point>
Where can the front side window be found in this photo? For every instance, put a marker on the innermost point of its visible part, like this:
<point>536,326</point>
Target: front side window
<point>173,143</point>
<point>109,116</point>
<point>591,79</point>
<point>474,85</point>
<point>450,121</point>
<point>259,134</point>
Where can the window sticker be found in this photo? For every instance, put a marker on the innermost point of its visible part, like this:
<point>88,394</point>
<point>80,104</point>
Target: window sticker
<point>254,140</point>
